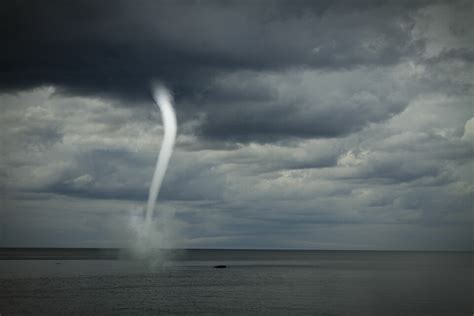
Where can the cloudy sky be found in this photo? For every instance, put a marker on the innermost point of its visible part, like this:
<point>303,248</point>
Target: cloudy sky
<point>302,124</point>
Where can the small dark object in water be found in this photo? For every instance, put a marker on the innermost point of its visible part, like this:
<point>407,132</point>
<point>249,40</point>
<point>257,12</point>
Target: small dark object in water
<point>220,266</point>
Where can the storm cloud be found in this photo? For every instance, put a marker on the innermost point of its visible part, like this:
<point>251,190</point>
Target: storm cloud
<point>302,124</point>
<point>212,55</point>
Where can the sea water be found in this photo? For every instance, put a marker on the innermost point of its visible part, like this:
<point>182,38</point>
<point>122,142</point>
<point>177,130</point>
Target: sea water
<point>254,282</point>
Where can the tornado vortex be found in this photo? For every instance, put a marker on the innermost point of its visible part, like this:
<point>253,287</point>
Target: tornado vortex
<point>164,100</point>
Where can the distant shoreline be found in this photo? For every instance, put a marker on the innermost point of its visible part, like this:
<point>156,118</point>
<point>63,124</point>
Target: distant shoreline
<point>60,253</point>
<point>19,253</point>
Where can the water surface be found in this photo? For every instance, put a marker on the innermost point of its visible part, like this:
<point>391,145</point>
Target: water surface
<point>254,282</point>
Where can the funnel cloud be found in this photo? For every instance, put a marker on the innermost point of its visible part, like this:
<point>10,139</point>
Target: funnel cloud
<point>164,101</point>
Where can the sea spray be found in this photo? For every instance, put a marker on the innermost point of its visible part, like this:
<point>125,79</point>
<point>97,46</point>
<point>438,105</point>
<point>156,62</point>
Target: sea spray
<point>153,243</point>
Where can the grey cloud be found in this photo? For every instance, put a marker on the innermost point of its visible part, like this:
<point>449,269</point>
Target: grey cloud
<point>304,104</point>
<point>124,175</point>
<point>115,48</point>
<point>342,125</point>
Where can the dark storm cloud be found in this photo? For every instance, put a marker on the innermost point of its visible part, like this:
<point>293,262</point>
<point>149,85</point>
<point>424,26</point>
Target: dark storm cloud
<point>303,124</point>
<point>114,48</point>
<point>302,104</point>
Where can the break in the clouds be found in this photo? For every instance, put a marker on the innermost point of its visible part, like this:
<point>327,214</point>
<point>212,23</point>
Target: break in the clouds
<point>339,124</point>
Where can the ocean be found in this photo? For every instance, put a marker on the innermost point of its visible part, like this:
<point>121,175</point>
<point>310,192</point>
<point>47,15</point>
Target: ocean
<point>263,282</point>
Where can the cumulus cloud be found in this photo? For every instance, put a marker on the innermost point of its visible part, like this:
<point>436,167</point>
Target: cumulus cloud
<point>327,125</point>
<point>305,104</point>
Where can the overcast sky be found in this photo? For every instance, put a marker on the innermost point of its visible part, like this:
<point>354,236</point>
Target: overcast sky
<point>302,124</point>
